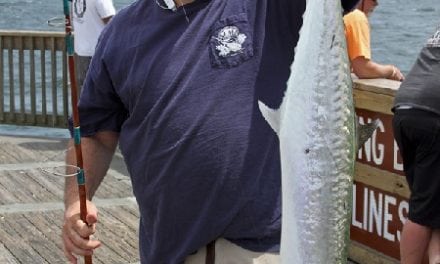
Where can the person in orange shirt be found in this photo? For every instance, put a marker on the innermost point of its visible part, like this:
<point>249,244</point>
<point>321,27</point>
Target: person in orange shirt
<point>357,32</point>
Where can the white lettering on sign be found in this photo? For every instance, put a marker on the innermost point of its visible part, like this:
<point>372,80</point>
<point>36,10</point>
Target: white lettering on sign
<point>387,217</point>
<point>402,207</point>
<point>365,208</point>
<point>374,152</point>
<point>376,212</point>
<point>355,222</point>
<point>396,164</point>
<point>371,148</point>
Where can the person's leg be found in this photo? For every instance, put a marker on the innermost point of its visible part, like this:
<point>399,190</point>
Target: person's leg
<point>234,254</point>
<point>434,247</point>
<point>81,67</point>
<point>198,257</point>
<point>416,133</point>
<point>414,243</point>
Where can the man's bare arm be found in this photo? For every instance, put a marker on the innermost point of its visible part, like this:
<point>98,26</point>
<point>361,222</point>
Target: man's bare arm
<point>97,153</point>
<point>368,69</point>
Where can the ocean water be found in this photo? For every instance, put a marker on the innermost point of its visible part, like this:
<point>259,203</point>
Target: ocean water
<point>34,14</point>
<point>399,28</point>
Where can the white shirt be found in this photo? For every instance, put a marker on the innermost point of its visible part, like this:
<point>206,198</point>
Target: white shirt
<point>87,18</point>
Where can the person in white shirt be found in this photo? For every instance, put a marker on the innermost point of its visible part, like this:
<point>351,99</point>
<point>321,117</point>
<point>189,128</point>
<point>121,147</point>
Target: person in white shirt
<point>89,19</point>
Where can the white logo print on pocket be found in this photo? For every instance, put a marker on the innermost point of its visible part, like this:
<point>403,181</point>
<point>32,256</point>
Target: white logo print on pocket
<point>230,41</point>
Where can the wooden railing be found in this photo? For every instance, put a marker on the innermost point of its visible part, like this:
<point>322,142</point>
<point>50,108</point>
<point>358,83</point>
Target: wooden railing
<point>33,78</point>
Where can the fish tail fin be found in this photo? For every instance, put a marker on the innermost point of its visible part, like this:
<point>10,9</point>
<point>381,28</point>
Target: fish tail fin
<point>272,116</point>
<point>365,131</point>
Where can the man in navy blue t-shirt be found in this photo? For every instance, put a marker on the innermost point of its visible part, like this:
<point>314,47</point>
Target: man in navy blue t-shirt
<point>177,86</point>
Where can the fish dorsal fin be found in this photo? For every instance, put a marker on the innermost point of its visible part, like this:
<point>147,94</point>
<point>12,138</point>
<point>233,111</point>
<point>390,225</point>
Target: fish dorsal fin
<point>365,131</point>
<point>272,116</point>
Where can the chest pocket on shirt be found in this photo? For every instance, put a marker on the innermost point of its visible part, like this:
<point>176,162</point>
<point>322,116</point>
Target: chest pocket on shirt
<point>231,42</point>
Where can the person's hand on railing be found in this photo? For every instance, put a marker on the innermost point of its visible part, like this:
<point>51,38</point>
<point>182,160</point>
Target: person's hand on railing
<point>396,74</point>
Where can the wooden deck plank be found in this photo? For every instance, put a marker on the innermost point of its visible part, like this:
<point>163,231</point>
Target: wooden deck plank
<point>37,186</point>
<point>32,188</point>
<point>42,243</point>
<point>31,212</point>
<point>6,256</point>
<point>18,246</point>
<point>131,221</point>
<point>121,236</point>
<point>6,197</point>
<point>19,194</point>
<point>127,215</point>
<point>41,233</point>
<point>49,227</point>
<point>52,185</point>
<point>9,153</point>
<point>25,150</point>
<point>114,188</point>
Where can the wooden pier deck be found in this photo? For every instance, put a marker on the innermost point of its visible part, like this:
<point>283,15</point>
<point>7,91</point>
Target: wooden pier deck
<point>31,208</point>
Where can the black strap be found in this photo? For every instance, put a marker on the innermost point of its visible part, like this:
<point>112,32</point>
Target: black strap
<point>210,253</point>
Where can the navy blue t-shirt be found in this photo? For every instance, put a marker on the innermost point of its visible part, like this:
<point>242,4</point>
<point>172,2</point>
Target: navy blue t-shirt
<point>203,162</point>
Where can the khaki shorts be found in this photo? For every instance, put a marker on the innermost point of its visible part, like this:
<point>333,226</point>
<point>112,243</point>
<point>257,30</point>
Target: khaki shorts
<point>229,253</point>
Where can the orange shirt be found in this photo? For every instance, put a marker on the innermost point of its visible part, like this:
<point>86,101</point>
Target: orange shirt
<point>357,33</point>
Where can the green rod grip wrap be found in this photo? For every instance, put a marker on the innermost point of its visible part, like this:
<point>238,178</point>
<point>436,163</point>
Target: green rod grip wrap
<point>66,8</point>
<point>80,179</point>
<point>76,135</point>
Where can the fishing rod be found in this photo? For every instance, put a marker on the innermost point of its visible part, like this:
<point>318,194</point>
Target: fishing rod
<point>80,176</point>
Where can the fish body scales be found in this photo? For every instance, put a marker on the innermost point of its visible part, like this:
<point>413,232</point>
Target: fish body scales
<point>315,126</point>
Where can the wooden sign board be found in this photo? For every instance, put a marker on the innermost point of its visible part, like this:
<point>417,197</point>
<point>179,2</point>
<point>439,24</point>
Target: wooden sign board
<point>380,195</point>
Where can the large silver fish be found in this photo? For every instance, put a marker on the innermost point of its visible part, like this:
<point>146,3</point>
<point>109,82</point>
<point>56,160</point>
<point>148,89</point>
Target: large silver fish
<point>316,128</point>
